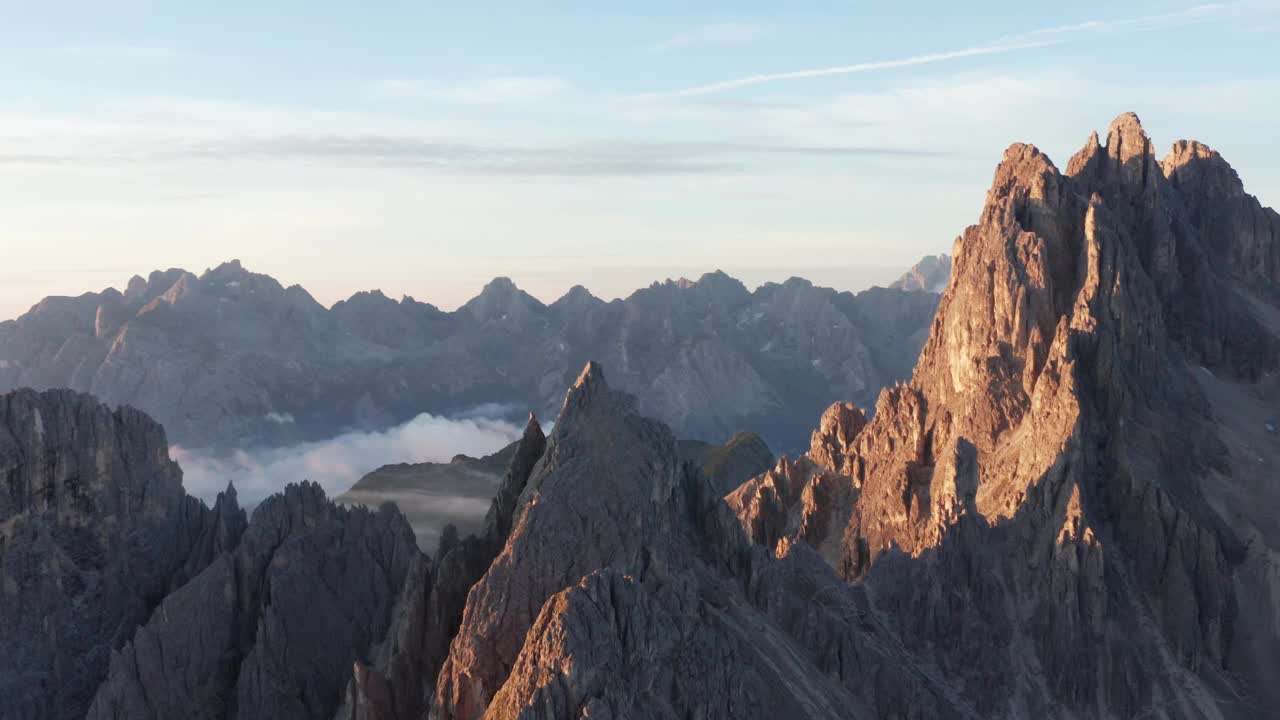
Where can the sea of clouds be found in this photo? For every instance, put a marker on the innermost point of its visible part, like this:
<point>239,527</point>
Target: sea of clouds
<point>336,464</point>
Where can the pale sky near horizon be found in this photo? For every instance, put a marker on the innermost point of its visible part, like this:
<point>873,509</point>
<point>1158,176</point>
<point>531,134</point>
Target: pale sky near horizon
<point>423,148</point>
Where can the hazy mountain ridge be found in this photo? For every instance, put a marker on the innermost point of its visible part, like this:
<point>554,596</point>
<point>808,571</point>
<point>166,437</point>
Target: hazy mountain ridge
<point>232,358</point>
<point>929,275</point>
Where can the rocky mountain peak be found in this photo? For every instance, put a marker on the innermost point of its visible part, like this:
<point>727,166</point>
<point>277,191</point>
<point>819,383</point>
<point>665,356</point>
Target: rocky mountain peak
<point>1200,161</point>
<point>1126,139</point>
<point>589,386</point>
<point>928,275</point>
<point>1126,160</point>
<point>184,286</point>
<point>1082,317</point>
<point>229,267</point>
<point>136,288</point>
<point>592,375</point>
<point>833,440</point>
<point>722,287</point>
<point>501,301</point>
<point>501,285</point>
<point>576,301</point>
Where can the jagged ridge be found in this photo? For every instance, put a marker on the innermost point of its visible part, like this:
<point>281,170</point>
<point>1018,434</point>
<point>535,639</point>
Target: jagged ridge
<point>1053,463</point>
<point>262,364</point>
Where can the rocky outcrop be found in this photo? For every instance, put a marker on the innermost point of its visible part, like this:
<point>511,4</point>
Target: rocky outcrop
<point>261,364</point>
<point>1233,224</point>
<point>95,529</point>
<point>271,629</point>
<point>627,587</point>
<point>1054,463</point>
<point>929,275</point>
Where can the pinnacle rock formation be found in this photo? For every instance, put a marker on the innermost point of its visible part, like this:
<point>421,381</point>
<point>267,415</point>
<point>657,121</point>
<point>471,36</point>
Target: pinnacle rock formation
<point>271,629</point>
<point>1063,505</point>
<point>400,683</point>
<point>95,530</point>
<point>802,498</point>
<point>459,492</point>
<point>626,588</point>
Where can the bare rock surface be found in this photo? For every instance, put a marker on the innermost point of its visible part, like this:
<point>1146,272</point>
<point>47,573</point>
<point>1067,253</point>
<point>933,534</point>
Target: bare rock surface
<point>399,683</point>
<point>95,529</point>
<point>626,588</point>
<point>459,492</point>
<point>1060,507</point>
<point>271,629</point>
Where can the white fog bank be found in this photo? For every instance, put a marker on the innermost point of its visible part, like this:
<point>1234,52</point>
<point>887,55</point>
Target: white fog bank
<point>336,464</point>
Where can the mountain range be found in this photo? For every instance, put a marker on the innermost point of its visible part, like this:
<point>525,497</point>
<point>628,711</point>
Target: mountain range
<point>231,359</point>
<point>1067,511</point>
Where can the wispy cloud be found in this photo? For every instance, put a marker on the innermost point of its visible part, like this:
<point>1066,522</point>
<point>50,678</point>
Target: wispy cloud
<point>850,69</point>
<point>168,132</point>
<point>579,159</point>
<point>718,34</point>
<point>600,158</point>
<point>1009,43</point>
<point>511,89</point>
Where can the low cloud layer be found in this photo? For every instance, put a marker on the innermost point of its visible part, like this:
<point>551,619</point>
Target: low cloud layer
<point>338,463</point>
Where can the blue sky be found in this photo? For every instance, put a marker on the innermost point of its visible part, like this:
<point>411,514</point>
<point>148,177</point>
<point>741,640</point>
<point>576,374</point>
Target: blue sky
<point>422,148</point>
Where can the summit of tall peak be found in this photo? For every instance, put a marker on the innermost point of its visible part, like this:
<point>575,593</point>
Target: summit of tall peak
<point>1086,311</point>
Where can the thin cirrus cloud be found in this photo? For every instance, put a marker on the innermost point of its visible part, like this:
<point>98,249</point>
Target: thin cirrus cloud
<point>718,34</point>
<point>1010,43</point>
<point>603,159</point>
<point>577,159</point>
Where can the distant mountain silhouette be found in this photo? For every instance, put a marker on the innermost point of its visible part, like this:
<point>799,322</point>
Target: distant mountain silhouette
<point>233,359</point>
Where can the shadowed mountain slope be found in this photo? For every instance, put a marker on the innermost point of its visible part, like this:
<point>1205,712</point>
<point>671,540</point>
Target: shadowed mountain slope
<point>95,529</point>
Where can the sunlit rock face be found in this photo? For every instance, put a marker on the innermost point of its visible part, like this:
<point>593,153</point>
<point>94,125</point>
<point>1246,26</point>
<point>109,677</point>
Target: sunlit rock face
<point>627,588</point>
<point>1052,507</point>
<point>260,364</point>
